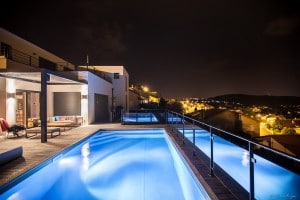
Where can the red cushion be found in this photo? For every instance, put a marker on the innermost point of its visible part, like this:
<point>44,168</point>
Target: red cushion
<point>4,124</point>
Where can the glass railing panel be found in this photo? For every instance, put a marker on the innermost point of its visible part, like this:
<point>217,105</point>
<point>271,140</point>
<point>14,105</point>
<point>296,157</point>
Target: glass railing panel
<point>202,139</point>
<point>174,119</point>
<point>128,117</point>
<point>233,159</point>
<point>229,157</point>
<point>138,117</point>
<point>274,177</point>
<point>273,181</point>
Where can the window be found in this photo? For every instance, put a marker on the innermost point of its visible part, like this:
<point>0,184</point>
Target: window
<point>116,75</point>
<point>5,50</point>
<point>47,64</point>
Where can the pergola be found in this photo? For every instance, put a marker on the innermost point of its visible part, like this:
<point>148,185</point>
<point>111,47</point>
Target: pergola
<point>46,77</point>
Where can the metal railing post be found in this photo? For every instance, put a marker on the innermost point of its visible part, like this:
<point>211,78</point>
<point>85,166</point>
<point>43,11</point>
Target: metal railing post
<point>176,120</point>
<point>251,172</point>
<point>251,148</point>
<point>171,121</point>
<point>211,153</point>
<point>166,117</point>
<point>183,128</point>
<point>122,113</point>
<point>194,143</point>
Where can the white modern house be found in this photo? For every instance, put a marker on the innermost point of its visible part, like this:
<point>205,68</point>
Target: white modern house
<point>37,86</point>
<point>120,81</point>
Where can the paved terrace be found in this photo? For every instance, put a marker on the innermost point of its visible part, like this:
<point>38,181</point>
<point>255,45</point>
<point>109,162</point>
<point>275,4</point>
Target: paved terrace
<point>34,152</point>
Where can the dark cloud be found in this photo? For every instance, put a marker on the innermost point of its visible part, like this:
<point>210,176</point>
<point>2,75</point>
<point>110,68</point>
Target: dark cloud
<point>282,27</point>
<point>179,48</point>
<point>106,38</point>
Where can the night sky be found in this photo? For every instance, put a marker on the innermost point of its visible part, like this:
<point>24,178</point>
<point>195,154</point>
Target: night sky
<point>178,48</point>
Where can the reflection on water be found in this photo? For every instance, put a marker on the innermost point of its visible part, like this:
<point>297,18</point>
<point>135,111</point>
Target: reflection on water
<point>85,152</point>
<point>136,164</point>
<point>270,179</point>
<point>245,159</point>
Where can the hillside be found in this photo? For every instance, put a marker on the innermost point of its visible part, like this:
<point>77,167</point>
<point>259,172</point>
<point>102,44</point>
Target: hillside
<point>272,101</point>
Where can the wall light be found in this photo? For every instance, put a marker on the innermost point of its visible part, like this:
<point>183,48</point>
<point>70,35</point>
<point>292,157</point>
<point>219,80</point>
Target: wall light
<point>10,85</point>
<point>10,95</point>
<point>11,108</point>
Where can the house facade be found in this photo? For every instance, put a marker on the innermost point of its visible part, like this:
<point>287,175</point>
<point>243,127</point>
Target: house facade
<point>120,80</point>
<point>36,85</point>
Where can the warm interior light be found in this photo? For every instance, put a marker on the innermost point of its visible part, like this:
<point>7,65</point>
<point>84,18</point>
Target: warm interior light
<point>10,86</point>
<point>11,111</point>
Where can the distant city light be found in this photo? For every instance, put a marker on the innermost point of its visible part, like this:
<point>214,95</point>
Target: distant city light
<point>145,88</point>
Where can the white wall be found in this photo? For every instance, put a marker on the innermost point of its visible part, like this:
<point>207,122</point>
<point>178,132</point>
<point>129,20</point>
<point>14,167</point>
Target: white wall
<point>111,69</point>
<point>58,88</point>
<point>99,86</point>
<point>95,85</point>
<point>29,86</point>
<point>121,90</point>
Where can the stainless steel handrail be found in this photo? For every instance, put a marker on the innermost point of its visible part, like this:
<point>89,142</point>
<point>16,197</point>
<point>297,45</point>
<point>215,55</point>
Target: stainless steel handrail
<point>239,137</point>
<point>250,148</point>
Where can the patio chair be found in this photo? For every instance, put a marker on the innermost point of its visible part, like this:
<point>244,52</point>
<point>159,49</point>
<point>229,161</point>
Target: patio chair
<point>14,129</point>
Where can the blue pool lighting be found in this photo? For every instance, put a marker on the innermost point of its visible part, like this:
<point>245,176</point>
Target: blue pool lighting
<point>132,164</point>
<point>139,117</point>
<point>271,180</point>
<point>172,118</point>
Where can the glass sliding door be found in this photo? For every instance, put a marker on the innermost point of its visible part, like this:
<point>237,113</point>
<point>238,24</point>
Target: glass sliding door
<point>32,109</point>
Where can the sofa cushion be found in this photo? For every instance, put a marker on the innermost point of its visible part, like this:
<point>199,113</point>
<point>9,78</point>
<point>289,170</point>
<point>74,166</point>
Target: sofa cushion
<point>62,118</point>
<point>11,155</point>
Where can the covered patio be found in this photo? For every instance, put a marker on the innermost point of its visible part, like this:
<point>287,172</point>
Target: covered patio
<point>41,83</point>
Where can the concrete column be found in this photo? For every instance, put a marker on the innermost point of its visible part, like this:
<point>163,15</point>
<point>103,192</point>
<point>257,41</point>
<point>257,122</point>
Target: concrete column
<point>43,106</point>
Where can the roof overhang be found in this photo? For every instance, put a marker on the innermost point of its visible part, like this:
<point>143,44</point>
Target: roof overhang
<point>59,78</point>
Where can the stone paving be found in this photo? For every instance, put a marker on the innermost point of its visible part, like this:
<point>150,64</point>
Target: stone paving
<point>35,152</point>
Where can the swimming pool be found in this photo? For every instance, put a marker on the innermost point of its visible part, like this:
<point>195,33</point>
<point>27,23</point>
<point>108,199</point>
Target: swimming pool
<point>139,117</point>
<point>132,164</point>
<point>271,180</point>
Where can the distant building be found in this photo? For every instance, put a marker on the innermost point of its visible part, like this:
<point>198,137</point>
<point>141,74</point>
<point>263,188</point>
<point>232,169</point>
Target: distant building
<point>285,143</point>
<point>250,126</point>
<point>223,119</point>
<point>134,100</point>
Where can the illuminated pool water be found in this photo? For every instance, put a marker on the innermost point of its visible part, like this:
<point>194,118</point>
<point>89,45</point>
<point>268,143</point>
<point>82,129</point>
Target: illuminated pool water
<point>139,117</point>
<point>135,164</point>
<point>271,180</point>
<point>174,119</point>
